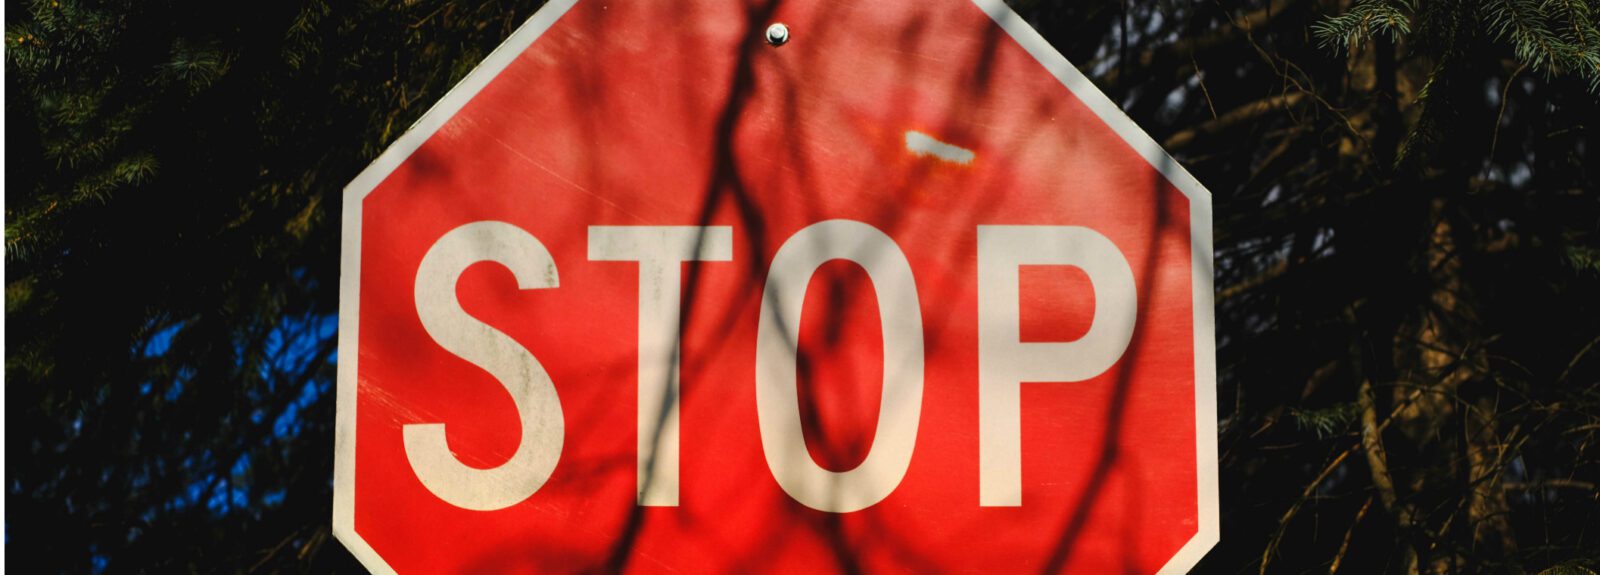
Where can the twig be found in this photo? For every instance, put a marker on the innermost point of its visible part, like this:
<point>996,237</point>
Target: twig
<point>1505,94</point>
<point>1575,359</point>
<point>274,551</point>
<point>1378,464</point>
<point>1552,484</point>
<point>1377,458</point>
<point>1345,546</point>
<point>1254,282</point>
<point>1200,76</point>
<point>1582,428</point>
<point>1233,118</point>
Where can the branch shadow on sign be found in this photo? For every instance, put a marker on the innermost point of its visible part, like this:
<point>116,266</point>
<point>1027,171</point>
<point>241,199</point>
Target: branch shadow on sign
<point>764,222</point>
<point>1110,446</point>
<point>729,186</point>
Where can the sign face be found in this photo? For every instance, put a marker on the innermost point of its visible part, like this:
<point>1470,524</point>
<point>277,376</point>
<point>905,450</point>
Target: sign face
<point>895,290</point>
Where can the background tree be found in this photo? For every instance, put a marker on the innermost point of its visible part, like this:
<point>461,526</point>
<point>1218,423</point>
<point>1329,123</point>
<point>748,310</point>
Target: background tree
<point>171,240</point>
<point>1408,250</point>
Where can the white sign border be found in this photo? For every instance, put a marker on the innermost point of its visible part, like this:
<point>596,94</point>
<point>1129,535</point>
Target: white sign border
<point>1209,530</point>
<point>344,467</point>
<point>1205,399</point>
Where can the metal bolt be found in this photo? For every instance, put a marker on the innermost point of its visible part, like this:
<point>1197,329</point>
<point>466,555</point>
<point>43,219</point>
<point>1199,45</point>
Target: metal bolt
<point>777,34</point>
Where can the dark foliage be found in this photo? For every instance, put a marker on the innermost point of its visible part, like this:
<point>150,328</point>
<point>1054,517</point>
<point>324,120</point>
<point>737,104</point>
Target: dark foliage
<point>1407,231</point>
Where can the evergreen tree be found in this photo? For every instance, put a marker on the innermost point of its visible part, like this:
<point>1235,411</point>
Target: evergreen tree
<point>174,170</point>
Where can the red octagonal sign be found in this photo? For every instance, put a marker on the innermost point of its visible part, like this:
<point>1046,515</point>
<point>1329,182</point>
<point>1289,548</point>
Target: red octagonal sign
<point>721,286</point>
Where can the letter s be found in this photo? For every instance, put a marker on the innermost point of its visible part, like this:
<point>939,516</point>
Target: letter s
<point>538,407</point>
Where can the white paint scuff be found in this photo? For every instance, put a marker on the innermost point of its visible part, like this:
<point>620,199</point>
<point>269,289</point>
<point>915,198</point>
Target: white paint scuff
<point>924,145</point>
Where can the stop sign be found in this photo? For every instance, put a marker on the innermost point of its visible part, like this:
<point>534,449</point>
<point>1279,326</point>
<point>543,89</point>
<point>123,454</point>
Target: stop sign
<point>710,286</point>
